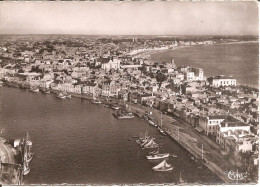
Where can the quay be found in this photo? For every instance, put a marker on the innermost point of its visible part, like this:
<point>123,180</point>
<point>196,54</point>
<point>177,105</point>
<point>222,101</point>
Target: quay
<point>199,146</point>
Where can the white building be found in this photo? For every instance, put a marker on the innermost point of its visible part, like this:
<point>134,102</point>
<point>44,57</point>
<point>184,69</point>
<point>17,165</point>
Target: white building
<point>222,80</point>
<point>113,63</point>
<point>210,123</point>
<point>228,127</point>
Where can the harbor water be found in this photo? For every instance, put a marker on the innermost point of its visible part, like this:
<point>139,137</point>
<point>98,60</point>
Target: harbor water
<point>77,142</point>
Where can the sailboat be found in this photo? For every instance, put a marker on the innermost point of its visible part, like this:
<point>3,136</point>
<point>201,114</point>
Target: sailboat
<point>27,154</point>
<point>143,139</point>
<point>163,166</point>
<point>28,147</point>
<point>157,155</point>
<point>28,144</point>
<point>26,168</point>
<point>150,145</point>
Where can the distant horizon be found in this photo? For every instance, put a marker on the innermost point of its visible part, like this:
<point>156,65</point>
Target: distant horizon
<point>164,18</point>
<point>140,34</point>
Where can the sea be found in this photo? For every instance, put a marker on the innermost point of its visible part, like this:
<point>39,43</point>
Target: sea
<point>240,60</point>
<point>77,142</point>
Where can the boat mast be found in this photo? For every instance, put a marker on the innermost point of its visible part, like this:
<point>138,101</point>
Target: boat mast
<point>202,152</point>
<point>161,119</point>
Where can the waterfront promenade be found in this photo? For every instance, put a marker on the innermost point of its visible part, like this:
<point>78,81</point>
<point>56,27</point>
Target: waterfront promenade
<point>191,140</point>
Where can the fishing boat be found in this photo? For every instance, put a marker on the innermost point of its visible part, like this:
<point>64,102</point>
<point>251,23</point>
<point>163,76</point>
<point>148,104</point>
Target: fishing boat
<point>107,105</point>
<point>35,89</point>
<point>61,96</point>
<point>157,155</point>
<point>152,123</point>
<point>161,131</point>
<point>127,115</point>
<point>142,139</point>
<point>27,154</point>
<point>67,95</point>
<point>47,91</point>
<point>26,168</point>
<point>115,107</point>
<point>163,166</point>
<point>123,114</point>
<point>150,145</point>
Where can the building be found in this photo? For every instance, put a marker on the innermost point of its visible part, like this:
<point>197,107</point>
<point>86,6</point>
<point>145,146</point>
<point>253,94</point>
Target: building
<point>112,63</point>
<point>229,127</point>
<point>222,80</point>
<point>210,124</point>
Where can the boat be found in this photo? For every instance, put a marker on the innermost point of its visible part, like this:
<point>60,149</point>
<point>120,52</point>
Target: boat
<point>156,155</point>
<point>115,107</point>
<point>34,89</point>
<point>26,169</point>
<point>107,105</point>
<point>150,145</point>
<point>163,166</point>
<point>128,115</point>
<point>161,131</point>
<point>61,96</point>
<point>27,154</point>
<point>123,114</point>
<point>67,96</point>
<point>96,101</point>
<point>152,123</point>
<point>143,139</point>
<point>47,91</point>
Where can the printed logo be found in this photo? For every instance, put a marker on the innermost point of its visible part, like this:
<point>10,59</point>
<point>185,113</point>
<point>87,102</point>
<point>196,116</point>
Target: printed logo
<point>236,176</point>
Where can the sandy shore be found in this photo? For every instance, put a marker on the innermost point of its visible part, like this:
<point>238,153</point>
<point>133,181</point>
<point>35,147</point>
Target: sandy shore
<point>147,54</point>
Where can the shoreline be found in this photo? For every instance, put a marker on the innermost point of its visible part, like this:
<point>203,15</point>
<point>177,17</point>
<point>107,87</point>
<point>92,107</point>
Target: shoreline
<point>145,54</point>
<point>184,139</point>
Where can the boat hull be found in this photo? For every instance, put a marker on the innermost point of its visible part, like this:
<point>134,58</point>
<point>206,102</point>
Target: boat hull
<point>166,169</point>
<point>158,157</point>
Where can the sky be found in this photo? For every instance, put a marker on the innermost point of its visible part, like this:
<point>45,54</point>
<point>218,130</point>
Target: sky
<point>129,18</point>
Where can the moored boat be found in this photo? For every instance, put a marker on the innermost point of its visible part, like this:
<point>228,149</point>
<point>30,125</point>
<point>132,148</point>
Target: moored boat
<point>94,101</point>
<point>150,145</point>
<point>107,105</point>
<point>61,96</point>
<point>163,166</point>
<point>115,107</point>
<point>152,123</point>
<point>47,92</point>
<point>157,156</point>
<point>35,90</point>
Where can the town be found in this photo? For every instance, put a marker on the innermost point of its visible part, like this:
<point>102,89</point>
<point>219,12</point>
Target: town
<point>217,107</point>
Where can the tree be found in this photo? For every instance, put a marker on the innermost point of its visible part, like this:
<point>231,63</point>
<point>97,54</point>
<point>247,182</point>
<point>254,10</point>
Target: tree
<point>160,77</point>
